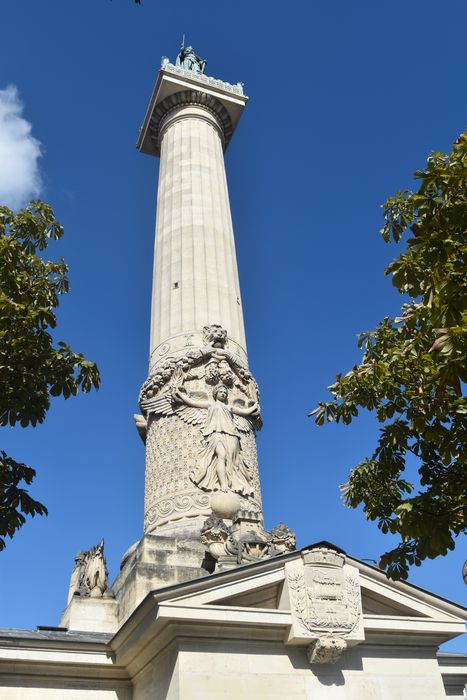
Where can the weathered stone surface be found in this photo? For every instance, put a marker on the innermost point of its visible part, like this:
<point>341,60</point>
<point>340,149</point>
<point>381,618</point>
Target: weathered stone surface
<point>288,627</point>
<point>194,228</point>
<point>326,650</point>
<point>89,576</point>
<point>225,636</point>
<point>245,540</point>
<point>157,561</point>
<point>91,615</point>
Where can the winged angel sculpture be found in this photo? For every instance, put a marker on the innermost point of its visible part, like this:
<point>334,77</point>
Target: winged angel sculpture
<point>221,463</point>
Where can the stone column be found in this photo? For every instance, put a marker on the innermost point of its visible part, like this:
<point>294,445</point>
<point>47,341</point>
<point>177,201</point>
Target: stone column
<point>200,402</point>
<point>195,280</point>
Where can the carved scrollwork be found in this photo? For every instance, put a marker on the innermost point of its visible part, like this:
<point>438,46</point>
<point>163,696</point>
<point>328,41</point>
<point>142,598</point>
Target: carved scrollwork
<point>179,504</point>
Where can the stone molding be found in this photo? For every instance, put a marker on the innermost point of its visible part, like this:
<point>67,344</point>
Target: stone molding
<point>187,98</point>
<point>178,345</point>
<point>168,67</point>
<point>181,112</point>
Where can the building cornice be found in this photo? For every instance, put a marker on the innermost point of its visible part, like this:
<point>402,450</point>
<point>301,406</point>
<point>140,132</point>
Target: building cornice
<point>226,102</point>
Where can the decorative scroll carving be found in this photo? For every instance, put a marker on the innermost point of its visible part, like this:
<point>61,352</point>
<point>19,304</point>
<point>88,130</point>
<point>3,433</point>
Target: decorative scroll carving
<point>180,505</point>
<point>89,577</point>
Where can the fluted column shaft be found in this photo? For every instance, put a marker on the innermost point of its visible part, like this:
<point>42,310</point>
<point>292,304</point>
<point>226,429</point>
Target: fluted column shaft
<point>200,457</point>
<point>195,280</point>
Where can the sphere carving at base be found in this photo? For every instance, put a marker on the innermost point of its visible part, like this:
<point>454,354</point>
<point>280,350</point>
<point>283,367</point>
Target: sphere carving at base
<point>225,503</point>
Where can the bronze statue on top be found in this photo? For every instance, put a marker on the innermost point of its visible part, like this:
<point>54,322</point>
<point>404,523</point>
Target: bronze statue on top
<point>189,60</point>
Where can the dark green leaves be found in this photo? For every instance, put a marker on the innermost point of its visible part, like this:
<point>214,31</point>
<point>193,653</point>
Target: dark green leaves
<point>412,371</point>
<point>32,367</point>
<point>15,502</point>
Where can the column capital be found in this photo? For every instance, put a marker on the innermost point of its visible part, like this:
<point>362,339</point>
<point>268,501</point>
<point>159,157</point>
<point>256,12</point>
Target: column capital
<point>175,87</point>
<point>176,108</point>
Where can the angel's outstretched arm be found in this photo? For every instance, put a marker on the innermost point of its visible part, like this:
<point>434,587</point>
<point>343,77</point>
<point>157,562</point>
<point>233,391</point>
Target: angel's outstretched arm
<point>250,411</point>
<point>182,397</point>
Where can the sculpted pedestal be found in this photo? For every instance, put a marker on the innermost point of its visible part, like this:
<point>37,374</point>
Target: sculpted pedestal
<point>201,409</point>
<point>154,562</point>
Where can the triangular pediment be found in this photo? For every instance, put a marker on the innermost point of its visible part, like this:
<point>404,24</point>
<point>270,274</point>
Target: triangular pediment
<point>266,597</point>
<point>263,587</point>
<point>374,604</point>
<point>296,599</point>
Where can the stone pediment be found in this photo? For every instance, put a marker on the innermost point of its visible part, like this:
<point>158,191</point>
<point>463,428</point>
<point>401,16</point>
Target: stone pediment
<point>316,597</point>
<point>316,603</point>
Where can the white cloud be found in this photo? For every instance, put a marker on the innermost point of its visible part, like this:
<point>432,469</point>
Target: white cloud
<point>19,153</point>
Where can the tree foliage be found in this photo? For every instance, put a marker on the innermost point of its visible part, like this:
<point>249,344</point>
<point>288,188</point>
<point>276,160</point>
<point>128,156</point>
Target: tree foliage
<point>32,367</point>
<point>412,372</point>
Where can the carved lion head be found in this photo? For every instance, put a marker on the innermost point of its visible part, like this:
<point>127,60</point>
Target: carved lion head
<point>215,335</point>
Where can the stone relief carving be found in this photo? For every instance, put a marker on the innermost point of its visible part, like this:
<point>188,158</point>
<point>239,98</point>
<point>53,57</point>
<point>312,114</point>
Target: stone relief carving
<point>215,335</point>
<point>212,362</point>
<point>89,577</point>
<point>215,534</point>
<point>179,505</point>
<point>76,576</point>
<point>283,539</point>
<point>326,650</point>
<point>221,464</point>
<point>178,345</point>
<point>325,602</point>
<point>204,408</point>
<point>243,542</point>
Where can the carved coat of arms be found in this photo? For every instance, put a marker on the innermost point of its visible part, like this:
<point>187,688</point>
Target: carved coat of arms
<point>325,599</point>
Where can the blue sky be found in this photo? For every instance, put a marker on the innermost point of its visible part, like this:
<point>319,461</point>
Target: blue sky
<point>346,101</point>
